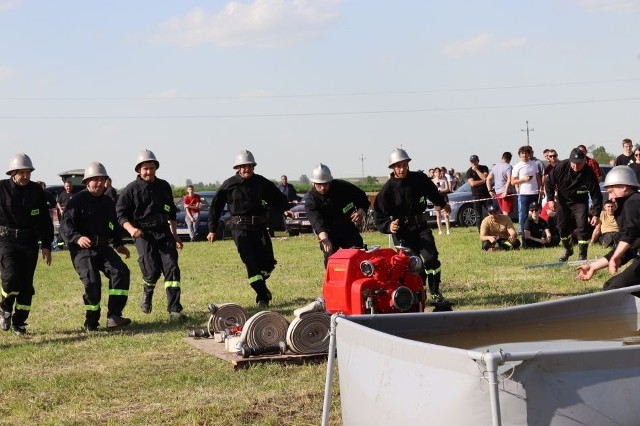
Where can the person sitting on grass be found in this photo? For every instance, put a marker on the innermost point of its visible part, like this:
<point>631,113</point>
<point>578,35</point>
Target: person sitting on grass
<point>536,230</point>
<point>497,231</point>
<point>607,232</point>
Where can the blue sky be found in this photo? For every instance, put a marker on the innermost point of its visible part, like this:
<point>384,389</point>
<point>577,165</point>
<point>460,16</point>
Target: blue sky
<point>299,82</point>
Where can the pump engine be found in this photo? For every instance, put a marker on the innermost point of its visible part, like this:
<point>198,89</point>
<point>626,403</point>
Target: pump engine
<point>373,281</point>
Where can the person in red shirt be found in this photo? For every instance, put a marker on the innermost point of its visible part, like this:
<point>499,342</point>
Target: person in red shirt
<point>591,162</point>
<point>192,202</point>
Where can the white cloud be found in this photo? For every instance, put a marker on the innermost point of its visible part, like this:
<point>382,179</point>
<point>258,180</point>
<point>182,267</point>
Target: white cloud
<point>5,73</point>
<point>262,23</point>
<point>616,6</point>
<point>484,43</point>
<point>9,4</point>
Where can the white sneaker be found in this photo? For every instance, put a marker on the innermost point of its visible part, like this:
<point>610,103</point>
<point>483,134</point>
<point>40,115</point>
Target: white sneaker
<point>448,232</point>
<point>439,232</point>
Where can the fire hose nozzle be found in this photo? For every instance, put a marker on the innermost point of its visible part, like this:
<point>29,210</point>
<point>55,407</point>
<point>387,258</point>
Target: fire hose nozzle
<point>245,351</point>
<point>199,333</point>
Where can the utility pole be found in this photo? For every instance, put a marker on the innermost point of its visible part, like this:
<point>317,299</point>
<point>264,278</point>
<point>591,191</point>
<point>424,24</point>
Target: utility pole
<point>362,161</point>
<point>527,130</point>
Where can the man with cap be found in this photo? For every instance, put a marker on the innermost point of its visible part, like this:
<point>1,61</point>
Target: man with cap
<point>245,194</point>
<point>568,188</point>
<point>622,186</point>
<point>400,211</point>
<point>24,220</point>
<point>147,212</point>
<point>88,226</point>
<point>536,232</point>
<point>477,177</point>
<point>335,208</point>
<point>497,231</point>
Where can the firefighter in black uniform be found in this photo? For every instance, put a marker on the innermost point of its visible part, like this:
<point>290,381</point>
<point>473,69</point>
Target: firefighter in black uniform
<point>147,212</point>
<point>244,194</point>
<point>335,208</point>
<point>88,226</point>
<point>24,220</point>
<point>622,184</point>
<point>571,184</point>
<point>399,210</point>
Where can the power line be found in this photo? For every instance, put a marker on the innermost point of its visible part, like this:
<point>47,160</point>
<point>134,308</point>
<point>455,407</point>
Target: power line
<point>316,95</point>
<point>313,114</point>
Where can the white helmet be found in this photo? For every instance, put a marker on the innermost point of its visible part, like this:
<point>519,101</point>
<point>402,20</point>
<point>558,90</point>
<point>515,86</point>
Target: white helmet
<point>244,157</point>
<point>621,175</point>
<point>145,156</point>
<point>94,169</point>
<point>19,161</point>
<point>321,174</point>
<point>398,155</point>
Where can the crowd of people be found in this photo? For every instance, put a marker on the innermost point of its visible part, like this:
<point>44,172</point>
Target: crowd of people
<point>558,202</point>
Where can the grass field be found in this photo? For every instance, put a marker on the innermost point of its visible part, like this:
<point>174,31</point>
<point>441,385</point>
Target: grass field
<point>147,374</point>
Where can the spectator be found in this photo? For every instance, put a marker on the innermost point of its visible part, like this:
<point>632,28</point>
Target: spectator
<point>636,163</point>
<point>399,210</point>
<point>550,217</point>
<point>192,203</point>
<point>574,183</point>
<point>526,176</point>
<point>63,197</point>
<point>335,208</point>
<point>24,219</point>
<point>477,178</point>
<point>443,188</point>
<point>591,162</point>
<point>497,231</point>
<point>607,232</point>
<point>454,180</point>
<point>626,157</point>
<point>552,158</point>
<point>622,186</point>
<point>110,191</point>
<point>536,230</point>
<point>499,184</point>
<point>88,228</point>
<point>51,199</point>
<point>245,193</point>
<point>146,211</point>
<point>288,190</point>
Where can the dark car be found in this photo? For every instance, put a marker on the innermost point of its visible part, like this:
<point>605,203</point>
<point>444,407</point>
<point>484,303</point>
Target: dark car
<point>299,222</point>
<point>202,229</point>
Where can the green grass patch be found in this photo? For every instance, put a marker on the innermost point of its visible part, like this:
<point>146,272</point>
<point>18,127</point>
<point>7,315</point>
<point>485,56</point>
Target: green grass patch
<point>147,374</point>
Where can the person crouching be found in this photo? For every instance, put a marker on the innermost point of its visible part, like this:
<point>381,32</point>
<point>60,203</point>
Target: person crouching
<point>497,231</point>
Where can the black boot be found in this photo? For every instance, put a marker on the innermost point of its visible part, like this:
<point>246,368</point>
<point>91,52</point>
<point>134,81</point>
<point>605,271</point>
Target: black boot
<point>147,298</point>
<point>582,251</point>
<point>568,249</point>
<point>263,295</point>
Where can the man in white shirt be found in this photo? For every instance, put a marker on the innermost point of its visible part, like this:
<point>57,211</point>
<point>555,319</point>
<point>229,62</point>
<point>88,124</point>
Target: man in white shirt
<point>528,181</point>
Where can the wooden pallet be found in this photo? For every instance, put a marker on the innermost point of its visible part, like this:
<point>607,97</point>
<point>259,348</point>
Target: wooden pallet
<point>216,348</point>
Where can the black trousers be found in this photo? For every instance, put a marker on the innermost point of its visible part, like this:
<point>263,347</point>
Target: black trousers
<point>256,252</point>
<point>17,266</point>
<point>630,276</point>
<point>88,264</point>
<point>420,240</point>
<point>573,216</point>
<point>158,255</point>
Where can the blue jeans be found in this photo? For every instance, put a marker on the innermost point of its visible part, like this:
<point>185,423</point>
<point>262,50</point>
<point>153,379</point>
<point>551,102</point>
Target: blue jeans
<point>192,226</point>
<point>523,209</point>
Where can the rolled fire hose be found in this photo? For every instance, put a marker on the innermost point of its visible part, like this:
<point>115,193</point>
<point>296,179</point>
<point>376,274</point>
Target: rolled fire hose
<point>264,329</point>
<point>224,316</point>
<point>309,333</point>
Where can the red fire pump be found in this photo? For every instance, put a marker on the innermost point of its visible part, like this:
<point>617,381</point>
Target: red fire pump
<point>374,281</point>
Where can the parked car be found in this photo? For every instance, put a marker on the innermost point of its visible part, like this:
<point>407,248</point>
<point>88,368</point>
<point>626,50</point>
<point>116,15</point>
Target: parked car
<point>462,209</point>
<point>224,226</point>
<point>299,222</point>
